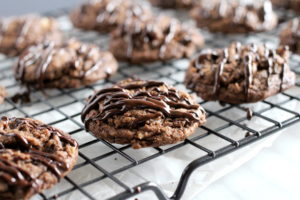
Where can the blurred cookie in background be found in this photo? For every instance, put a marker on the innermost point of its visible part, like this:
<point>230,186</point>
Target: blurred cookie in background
<point>159,39</point>
<point>290,35</point>
<point>288,4</point>
<point>71,64</point>
<point>18,33</point>
<point>235,17</point>
<point>105,15</point>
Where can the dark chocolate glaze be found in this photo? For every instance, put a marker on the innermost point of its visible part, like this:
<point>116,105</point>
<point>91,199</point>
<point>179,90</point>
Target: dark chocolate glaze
<point>248,74</point>
<point>219,72</point>
<point>118,100</point>
<point>15,175</point>
<point>246,60</point>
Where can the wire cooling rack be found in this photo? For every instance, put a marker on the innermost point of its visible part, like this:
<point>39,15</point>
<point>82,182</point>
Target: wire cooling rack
<point>62,109</point>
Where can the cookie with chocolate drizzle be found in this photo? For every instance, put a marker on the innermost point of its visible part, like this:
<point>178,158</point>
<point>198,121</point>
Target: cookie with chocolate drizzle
<point>235,17</point>
<point>174,3</point>
<point>71,64</point>
<point>33,157</point>
<point>159,39</point>
<point>240,73</point>
<point>142,113</point>
<point>290,35</point>
<point>18,33</point>
<point>105,15</point>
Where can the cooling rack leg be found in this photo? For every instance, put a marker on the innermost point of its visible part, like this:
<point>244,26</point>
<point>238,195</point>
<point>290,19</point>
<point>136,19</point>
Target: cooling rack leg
<point>139,189</point>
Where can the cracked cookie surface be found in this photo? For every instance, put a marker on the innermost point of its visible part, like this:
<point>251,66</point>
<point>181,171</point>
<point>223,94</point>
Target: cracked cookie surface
<point>142,113</point>
<point>240,73</point>
<point>69,65</point>
<point>33,157</point>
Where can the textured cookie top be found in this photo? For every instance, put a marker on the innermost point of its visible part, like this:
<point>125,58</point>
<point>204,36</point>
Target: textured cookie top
<point>33,156</point>
<point>106,15</point>
<point>129,96</point>
<point>17,33</point>
<point>222,16</point>
<point>67,65</point>
<point>290,35</point>
<point>240,69</point>
<point>160,38</point>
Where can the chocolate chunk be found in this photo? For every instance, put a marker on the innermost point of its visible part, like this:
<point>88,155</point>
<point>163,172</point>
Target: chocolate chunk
<point>33,157</point>
<point>142,113</point>
<point>244,74</point>
<point>69,65</point>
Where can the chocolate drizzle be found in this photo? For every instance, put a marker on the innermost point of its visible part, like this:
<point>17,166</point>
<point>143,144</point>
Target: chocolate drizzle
<point>251,57</point>
<point>219,72</point>
<point>42,56</point>
<point>171,32</point>
<point>248,74</point>
<point>139,32</point>
<point>14,141</point>
<point>143,95</point>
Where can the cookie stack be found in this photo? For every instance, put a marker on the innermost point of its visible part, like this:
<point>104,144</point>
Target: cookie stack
<point>142,113</point>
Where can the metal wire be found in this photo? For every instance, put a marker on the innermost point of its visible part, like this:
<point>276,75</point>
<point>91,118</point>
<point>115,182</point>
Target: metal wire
<point>58,100</point>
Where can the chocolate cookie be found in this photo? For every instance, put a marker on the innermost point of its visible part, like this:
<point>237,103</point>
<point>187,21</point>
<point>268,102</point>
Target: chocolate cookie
<point>18,33</point>
<point>2,94</point>
<point>159,39</point>
<point>290,35</point>
<point>33,157</point>
<point>106,15</point>
<point>240,74</point>
<point>289,4</point>
<point>173,3</point>
<point>69,65</point>
<point>142,113</point>
<point>228,16</point>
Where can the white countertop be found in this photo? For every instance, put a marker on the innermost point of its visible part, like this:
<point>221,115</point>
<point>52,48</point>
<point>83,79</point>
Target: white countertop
<point>273,174</point>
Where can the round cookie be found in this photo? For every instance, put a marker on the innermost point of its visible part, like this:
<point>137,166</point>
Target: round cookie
<point>33,157</point>
<point>142,113</point>
<point>2,94</point>
<point>234,17</point>
<point>290,35</point>
<point>18,33</point>
<point>105,15</point>
<point>240,74</point>
<point>173,3</point>
<point>69,65</point>
<point>159,39</point>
